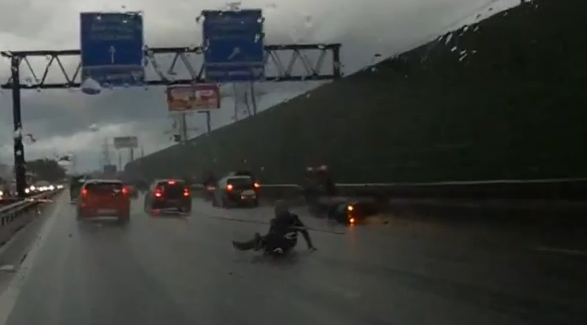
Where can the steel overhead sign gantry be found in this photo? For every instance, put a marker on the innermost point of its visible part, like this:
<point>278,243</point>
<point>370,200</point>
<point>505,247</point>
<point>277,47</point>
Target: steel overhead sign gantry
<point>113,54</point>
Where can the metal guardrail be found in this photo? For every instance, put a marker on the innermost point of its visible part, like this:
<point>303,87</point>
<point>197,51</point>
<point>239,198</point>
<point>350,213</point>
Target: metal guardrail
<point>16,215</point>
<point>572,189</point>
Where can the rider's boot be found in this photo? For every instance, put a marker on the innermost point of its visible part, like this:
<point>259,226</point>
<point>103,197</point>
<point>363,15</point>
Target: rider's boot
<point>258,241</point>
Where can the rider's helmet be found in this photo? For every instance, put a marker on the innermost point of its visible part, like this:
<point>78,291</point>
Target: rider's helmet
<point>281,207</point>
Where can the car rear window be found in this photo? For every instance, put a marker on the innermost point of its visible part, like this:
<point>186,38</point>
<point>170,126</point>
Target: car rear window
<point>172,189</point>
<point>243,173</point>
<point>103,187</point>
<point>241,183</point>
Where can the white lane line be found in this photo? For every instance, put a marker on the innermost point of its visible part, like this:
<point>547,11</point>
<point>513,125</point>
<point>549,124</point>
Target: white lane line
<point>561,251</point>
<point>9,297</point>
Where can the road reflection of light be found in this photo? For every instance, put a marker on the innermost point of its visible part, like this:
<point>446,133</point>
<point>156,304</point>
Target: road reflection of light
<point>352,238</point>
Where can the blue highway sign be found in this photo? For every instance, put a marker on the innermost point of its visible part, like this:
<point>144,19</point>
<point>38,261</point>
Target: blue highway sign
<point>112,48</point>
<point>233,44</point>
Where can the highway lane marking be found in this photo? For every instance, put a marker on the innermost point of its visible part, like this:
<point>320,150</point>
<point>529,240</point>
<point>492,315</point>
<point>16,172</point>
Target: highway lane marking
<point>561,251</point>
<point>9,297</point>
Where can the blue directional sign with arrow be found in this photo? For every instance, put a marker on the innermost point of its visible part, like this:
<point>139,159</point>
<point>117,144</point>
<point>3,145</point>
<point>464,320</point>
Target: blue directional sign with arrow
<point>112,48</point>
<point>233,45</point>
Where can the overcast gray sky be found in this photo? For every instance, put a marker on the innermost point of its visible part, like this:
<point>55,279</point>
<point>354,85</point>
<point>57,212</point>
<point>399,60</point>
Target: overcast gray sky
<point>61,120</point>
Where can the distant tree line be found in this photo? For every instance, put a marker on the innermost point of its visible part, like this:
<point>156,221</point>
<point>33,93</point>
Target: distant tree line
<point>46,169</point>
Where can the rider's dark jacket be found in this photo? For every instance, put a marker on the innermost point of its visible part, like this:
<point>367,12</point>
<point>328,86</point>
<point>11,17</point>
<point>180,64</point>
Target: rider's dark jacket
<point>288,222</point>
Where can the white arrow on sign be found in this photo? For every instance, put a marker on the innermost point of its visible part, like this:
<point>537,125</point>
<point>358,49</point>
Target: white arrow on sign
<point>235,52</point>
<point>112,50</point>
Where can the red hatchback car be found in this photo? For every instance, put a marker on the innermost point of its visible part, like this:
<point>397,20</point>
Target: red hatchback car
<point>104,198</point>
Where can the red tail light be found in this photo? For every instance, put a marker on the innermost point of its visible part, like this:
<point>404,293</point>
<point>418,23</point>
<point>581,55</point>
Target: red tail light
<point>125,190</point>
<point>170,182</point>
<point>158,193</point>
<point>229,187</point>
<point>186,192</point>
<point>84,192</point>
<point>256,185</point>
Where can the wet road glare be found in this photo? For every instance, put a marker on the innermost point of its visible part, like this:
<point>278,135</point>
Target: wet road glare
<point>166,270</point>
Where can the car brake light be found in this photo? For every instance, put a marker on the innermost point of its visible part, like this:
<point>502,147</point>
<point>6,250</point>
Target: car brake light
<point>229,187</point>
<point>171,182</point>
<point>124,190</point>
<point>186,192</point>
<point>84,192</point>
<point>256,185</point>
<point>158,193</point>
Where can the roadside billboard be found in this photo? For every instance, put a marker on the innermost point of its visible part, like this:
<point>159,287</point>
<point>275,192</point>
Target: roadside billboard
<point>181,98</point>
<point>126,142</point>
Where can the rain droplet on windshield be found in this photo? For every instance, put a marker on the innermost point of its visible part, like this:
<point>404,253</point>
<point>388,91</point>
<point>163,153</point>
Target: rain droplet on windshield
<point>18,133</point>
<point>234,6</point>
<point>91,87</point>
<point>308,21</point>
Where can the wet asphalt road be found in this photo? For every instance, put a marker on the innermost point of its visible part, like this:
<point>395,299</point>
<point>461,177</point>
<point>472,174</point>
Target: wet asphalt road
<point>185,271</point>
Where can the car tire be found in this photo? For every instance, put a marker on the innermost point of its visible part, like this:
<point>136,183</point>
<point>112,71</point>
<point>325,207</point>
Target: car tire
<point>124,218</point>
<point>224,203</point>
<point>146,206</point>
